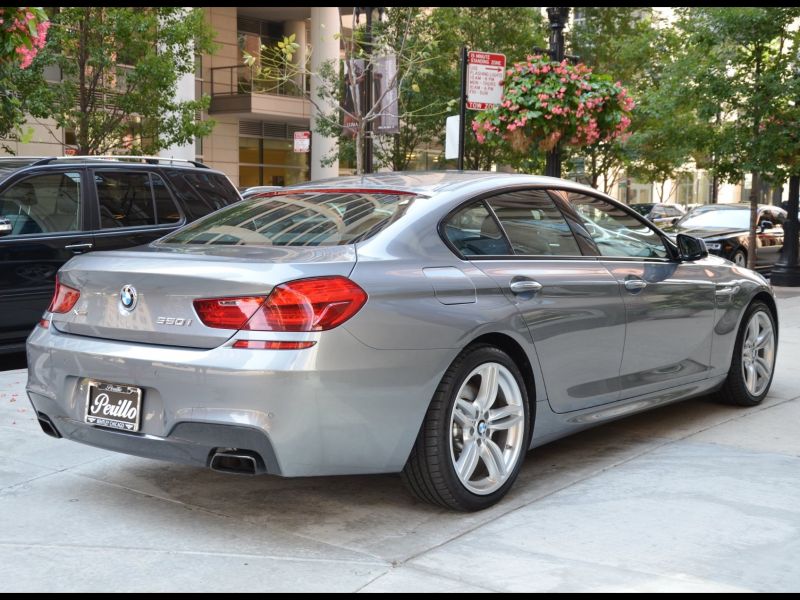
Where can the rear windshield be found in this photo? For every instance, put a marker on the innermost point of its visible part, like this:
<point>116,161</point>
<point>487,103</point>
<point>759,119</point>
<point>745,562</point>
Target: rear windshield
<point>298,219</point>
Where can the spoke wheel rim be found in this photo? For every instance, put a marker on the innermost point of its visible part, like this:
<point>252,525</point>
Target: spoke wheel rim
<point>487,428</point>
<point>758,353</point>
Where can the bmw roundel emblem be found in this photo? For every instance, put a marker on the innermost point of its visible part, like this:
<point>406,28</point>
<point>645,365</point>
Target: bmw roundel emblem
<point>128,297</point>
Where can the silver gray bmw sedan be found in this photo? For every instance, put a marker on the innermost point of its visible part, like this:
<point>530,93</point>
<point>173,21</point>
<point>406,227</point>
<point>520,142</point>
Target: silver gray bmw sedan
<point>434,324</point>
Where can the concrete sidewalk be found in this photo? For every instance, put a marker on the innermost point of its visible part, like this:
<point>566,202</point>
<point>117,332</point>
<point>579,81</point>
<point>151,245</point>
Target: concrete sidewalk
<point>691,497</point>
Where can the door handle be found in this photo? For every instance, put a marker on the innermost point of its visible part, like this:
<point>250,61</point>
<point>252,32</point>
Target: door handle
<point>78,248</point>
<point>523,286</point>
<point>635,285</point>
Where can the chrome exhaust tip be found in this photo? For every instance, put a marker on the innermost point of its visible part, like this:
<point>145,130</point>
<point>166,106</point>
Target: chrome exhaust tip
<point>238,462</point>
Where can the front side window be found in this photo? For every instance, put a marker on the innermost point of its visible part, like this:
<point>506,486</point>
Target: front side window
<point>533,224</point>
<point>614,231</point>
<point>298,219</point>
<point>47,203</point>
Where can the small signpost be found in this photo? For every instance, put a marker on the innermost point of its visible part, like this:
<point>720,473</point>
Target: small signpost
<point>302,141</point>
<point>481,88</point>
<point>484,79</point>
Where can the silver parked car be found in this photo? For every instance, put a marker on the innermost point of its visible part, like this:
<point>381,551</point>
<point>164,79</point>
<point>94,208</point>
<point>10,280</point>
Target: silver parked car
<point>435,324</point>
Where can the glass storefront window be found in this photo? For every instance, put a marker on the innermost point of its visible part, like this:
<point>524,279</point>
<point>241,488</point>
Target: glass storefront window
<point>264,161</point>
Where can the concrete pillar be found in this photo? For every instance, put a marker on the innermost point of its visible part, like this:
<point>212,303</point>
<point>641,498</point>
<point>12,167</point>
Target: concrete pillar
<point>324,47</point>
<point>184,90</point>
<point>298,28</point>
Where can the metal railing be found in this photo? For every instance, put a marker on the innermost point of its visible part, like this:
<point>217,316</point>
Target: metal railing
<point>243,79</point>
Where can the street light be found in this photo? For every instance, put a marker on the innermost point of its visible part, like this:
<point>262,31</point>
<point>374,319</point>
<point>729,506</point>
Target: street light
<point>368,92</point>
<point>558,16</point>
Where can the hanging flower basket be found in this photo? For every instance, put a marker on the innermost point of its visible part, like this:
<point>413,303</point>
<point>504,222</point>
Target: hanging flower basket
<point>547,103</point>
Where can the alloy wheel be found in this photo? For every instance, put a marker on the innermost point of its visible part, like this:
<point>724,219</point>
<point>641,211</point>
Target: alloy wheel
<point>758,353</point>
<point>487,428</point>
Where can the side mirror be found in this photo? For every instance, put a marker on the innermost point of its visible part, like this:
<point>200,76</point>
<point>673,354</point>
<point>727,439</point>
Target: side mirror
<point>5,227</point>
<point>691,248</point>
<point>675,220</point>
<point>767,225</point>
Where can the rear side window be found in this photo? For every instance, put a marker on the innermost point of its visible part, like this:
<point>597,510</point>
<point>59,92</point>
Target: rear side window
<point>473,231</point>
<point>131,199</point>
<point>166,210</point>
<point>47,203</point>
<point>125,198</point>
<point>202,193</point>
<point>298,219</point>
<point>533,224</point>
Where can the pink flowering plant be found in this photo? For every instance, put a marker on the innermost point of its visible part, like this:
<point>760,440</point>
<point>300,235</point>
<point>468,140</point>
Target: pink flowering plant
<point>23,32</point>
<point>549,102</point>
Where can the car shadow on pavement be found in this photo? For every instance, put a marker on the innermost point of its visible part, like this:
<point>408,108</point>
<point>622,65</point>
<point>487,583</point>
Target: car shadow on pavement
<point>374,514</point>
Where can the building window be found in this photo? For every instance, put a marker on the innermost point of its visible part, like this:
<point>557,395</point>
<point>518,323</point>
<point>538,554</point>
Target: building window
<point>265,161</point>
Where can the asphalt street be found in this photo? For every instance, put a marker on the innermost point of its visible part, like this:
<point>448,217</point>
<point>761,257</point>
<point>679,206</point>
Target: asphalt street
<point>696,496</point>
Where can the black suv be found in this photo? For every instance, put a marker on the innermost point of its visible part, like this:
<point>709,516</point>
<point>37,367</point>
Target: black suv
<point>54,208</point>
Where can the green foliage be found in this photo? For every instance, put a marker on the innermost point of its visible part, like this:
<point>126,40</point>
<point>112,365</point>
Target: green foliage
<point>513,31</point>
<point>623,43</point>
<point>23,32</point>
<point>120,67</point>
<point>737,69</point>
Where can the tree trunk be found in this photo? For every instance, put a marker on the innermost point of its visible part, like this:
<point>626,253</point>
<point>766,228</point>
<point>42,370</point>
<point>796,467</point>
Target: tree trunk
<point>82,134</point>
<point>752,239</point>
<point>360,149</point>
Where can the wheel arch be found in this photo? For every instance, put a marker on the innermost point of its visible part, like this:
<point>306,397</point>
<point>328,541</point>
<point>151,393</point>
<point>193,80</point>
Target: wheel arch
<point>767,299</point>
<point>517,353</point>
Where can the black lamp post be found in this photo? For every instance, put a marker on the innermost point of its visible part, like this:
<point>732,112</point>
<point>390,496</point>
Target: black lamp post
<point>558,16</point>
<point>787,271</point>
<point>369,96</point>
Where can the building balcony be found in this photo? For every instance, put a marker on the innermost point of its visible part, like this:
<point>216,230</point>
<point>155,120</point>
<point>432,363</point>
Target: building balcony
<point>238,91</point>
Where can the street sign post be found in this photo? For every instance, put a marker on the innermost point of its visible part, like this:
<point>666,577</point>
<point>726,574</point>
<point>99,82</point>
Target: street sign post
<point>302,141</point>
<point>485,72</point>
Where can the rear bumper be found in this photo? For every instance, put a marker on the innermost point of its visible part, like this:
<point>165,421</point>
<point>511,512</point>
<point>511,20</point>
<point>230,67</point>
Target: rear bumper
<point>337,408</point>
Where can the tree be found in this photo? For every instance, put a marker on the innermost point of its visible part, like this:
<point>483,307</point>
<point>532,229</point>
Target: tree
<point>665,133</point>
<point>619,42</point>
<point>737,69</point>
<point>23,32</point>
<point>340,85</point>
<point>119,71</point>
<point>513,31</point>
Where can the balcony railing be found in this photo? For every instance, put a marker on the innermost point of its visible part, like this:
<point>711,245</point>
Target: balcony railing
<point>242,79</point>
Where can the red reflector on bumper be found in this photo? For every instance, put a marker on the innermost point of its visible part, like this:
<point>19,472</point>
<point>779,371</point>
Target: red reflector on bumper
<point>44,323</point>
<point>271,345</point>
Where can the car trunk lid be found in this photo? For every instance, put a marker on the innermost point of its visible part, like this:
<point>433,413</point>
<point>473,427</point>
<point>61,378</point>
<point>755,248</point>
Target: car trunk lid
<point>166,281</point>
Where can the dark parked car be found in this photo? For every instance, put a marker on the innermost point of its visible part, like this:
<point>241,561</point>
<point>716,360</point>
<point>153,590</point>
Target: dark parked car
<point>660,214</point>
<point>725,230</point>
<point>54,208</point>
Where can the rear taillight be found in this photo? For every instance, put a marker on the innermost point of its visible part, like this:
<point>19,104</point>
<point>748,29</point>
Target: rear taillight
<point>227,313</point>
<point>316,304</point>
<point>64,298</point>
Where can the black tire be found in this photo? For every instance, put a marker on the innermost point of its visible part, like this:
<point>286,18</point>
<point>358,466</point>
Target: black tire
<point>429,473</point>
<point>739,255</point>
<point>734,390</point>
